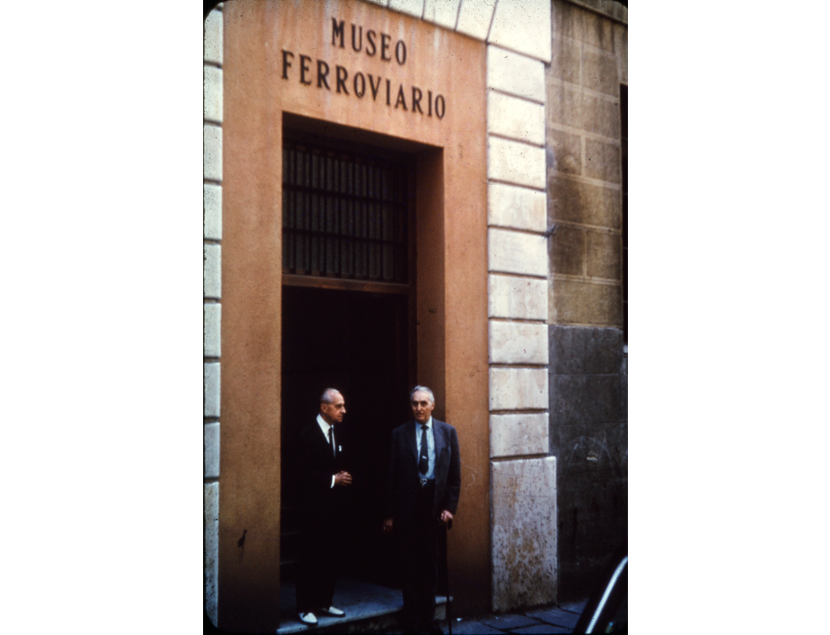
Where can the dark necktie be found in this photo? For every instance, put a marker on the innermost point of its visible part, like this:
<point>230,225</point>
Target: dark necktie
<point>423,462</point>
<point>331,442</point>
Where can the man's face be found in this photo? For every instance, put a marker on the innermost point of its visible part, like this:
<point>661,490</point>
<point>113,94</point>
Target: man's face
<point>333,412</point>
<point>422,407</point>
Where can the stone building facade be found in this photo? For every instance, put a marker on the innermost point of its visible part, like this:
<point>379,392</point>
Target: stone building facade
<point>588,351</point>
<point>505,118</point>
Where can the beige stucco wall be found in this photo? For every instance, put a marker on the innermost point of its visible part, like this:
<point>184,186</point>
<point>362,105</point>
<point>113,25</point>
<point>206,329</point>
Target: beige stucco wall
<point>267,48</point>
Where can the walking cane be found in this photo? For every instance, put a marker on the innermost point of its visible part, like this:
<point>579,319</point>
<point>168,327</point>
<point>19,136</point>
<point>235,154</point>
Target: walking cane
<point>447,527</point>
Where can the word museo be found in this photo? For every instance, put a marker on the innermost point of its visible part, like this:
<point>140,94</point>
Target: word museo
<point>361,83</point>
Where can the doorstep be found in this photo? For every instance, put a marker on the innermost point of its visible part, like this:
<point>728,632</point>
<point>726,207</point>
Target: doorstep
<point>369,607</point>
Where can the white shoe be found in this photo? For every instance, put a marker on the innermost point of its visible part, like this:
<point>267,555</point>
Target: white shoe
<point>334,612</point>
<point>308,618</point>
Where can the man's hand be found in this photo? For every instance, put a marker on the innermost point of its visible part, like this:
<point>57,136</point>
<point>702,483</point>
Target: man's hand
<point>387,525</point>
<point>446,517</point>
<point>343,478</point>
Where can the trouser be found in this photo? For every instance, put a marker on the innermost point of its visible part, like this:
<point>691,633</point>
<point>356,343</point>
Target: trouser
<point>316,568</point>
<point>418,547</point>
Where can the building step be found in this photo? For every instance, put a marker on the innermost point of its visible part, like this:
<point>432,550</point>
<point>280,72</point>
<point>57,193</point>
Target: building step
<point>370,608</point>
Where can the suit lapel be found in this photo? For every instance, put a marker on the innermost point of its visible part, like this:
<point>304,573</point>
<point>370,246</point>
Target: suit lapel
<point>322,441</point>
<point>410,439</point>
<point>320,436</point>
<point>438,435</point>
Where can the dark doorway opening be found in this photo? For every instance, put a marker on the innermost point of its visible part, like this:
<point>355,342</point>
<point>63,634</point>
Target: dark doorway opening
<point>358,343</point>
<point>347,323</point>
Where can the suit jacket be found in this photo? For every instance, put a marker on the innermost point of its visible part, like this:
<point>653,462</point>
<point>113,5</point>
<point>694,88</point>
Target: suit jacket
<point>316,464</point>
<point>403,481</point>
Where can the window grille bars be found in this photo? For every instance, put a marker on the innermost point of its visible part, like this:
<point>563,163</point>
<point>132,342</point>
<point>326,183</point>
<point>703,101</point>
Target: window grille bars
<point>344,214</point>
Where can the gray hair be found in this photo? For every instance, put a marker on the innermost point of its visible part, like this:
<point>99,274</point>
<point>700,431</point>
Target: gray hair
<point>328,395</point>
<point>423,389</point>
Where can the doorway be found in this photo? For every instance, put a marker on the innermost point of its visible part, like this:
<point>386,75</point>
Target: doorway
<point>356,342</point>
<point>347,323</point>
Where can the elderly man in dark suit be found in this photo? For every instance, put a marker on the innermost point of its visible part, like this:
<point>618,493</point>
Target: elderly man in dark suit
<point>322,482</point>
<point>424,484</point>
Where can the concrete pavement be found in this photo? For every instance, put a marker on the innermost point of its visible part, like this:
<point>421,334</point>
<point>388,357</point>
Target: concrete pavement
<point>549,619</point>
<point>375,609</point>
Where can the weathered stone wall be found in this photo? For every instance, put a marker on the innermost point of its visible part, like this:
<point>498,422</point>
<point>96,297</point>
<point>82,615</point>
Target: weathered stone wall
<point>588,418</point>
<point>212,293</point>
<point>524,528</point>
<point>589,438</point>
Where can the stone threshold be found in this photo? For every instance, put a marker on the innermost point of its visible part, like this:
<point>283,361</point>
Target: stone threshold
<point>369,608</point>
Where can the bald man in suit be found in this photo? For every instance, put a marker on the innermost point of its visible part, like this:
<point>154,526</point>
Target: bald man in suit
<point>322,484</point>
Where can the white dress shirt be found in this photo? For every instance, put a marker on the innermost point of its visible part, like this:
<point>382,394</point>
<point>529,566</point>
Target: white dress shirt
<point>430,446</point>
<point>324,426</point>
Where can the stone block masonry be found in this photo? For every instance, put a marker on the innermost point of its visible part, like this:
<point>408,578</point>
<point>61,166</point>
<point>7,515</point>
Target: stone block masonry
<point>519,389</point>
<point>212,450</point>
<point>519,434</point>
<point>517,163</point>
<point>213,94</point>
<point>213,152</point>
<point>213,211</point>
<point>213,117</point>
<point>518,343</point>
<point>515,74</point>
<point>474,18</point>
<point>589,436</point>
<point>410,7</point>
<point>212,330</point>
<point>515,118</point>
<point>517,253</point>
<point>587,372</point>
<point>523,27</point>
<point>214,32</point>
<point>213,271</point>
<point>517,297</point>
<point>516,207</point>
<point>211,548</point>
<point>523,530</point>
<point>442,12</point>
<point>584,168</point>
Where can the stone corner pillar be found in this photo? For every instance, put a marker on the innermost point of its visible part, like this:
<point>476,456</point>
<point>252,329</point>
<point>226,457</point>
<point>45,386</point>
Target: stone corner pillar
<point>524,532</point>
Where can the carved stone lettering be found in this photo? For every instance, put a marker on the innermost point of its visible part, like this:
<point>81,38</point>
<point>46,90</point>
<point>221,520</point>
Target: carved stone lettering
<point>399,90</point>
